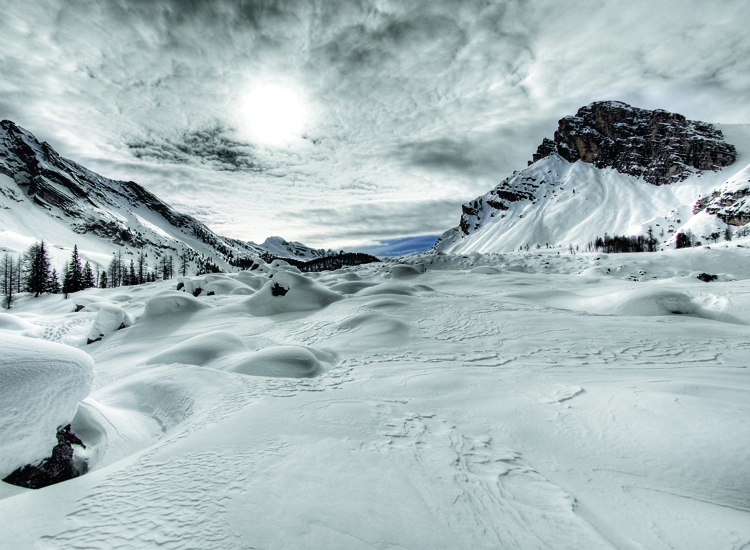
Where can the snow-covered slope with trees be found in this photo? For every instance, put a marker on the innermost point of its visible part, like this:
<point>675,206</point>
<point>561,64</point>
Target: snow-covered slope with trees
<point>658,171</point>
<point>46,197</point>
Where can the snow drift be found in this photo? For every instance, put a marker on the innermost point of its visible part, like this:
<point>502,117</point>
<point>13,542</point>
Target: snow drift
<point>41,384</point>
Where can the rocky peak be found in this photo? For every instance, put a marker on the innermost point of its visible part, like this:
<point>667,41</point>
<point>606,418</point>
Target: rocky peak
<point>659,146</point>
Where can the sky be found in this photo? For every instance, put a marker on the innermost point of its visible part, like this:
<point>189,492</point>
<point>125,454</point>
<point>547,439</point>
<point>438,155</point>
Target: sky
<point>348,123</point>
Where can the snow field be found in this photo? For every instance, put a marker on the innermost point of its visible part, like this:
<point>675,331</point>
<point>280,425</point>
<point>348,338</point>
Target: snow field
<point>528,401</point>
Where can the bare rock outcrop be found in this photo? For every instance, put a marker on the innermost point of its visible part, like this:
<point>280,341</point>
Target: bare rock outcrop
<point>659,146</point>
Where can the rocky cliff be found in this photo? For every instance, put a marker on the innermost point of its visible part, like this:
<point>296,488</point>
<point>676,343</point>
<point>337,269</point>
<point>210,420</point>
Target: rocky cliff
<point>658,146</point>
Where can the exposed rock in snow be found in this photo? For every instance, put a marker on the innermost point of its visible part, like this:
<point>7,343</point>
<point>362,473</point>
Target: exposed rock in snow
<point>730,203</point>
<point>56,468</point>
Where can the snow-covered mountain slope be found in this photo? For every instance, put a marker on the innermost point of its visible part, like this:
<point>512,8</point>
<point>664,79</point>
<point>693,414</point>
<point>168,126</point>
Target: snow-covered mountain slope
<point>556,202</point>
<point>44,196</point>
<point>286,249</point>
<point>523,401</point>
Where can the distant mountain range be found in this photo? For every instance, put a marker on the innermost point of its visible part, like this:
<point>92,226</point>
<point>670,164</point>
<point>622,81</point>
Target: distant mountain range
<point>46,197</point>
<point>614,169</point>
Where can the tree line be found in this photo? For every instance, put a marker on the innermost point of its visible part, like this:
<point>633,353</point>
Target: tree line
<point>32,272</point>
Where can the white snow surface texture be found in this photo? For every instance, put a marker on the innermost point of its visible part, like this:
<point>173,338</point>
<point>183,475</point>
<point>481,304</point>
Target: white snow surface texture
<point>41,384</point>
<point>518,401</point>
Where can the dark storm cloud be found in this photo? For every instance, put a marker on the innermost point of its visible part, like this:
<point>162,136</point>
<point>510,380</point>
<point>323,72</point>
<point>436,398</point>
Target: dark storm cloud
<point>404,99</point>
<point>210,148</point>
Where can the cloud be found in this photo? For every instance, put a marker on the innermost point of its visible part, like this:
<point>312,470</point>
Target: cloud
<point>412,107</point>
<point>210,148</point>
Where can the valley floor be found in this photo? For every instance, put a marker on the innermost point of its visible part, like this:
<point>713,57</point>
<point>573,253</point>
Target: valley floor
<point>527,400</point>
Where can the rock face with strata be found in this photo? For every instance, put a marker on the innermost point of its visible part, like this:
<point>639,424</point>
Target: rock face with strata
<point>658,146</point>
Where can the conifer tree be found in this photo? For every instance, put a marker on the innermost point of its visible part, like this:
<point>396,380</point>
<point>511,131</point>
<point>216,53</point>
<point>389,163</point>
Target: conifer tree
<point>66,280</point>
<point>8,280</point>
<point>75,272</point>
<point>103,280</point>
<point>142,268</point>
<point>53,284</point>
<point>87,280</point>
<point>132,275</point>
<point>36,263</point>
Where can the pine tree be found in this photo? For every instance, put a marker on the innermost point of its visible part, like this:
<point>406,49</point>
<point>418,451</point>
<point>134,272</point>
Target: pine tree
<point>75,272</point>
<point>132,275</point>
<point>8,280</point>
<point>103,280</point>
<point>142,268</point>
<point>53,284</point>
<point>183,263</point>
<point>36,264</point>
<point>66,280</point>
<point>87,280</point>
<point>114,272</point>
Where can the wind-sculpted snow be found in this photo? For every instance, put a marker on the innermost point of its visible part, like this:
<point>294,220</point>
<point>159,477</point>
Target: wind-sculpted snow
<point>529,400</point>
<point>171,304</point>
<point>202,349</point>
<point>41,384</point>
<point>281,361</point>
<point>18,326</point>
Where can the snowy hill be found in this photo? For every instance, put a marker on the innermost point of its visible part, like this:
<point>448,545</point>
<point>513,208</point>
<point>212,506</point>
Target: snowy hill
<point>46,197</point>
<point>619,173</point>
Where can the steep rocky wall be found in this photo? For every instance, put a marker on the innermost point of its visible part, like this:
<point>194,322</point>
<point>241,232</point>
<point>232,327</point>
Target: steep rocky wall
<point>659,146</point>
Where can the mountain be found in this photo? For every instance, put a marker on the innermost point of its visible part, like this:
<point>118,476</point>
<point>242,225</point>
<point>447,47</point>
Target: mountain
<point>616,169</point>
<point>44,196</point>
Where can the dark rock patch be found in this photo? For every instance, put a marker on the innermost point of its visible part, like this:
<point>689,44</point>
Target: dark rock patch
<point>706,278</point>
<point>55,469</point>
<point>278,290</point>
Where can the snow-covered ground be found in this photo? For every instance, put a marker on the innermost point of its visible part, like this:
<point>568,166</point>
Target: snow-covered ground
<point>524,400</point>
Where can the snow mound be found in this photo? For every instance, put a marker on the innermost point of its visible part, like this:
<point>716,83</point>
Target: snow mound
<point>352,287</point>
<point>171,303</point>
<point>201,350</point>
<point>109,319</point>
<point>485,270</point>
<point>41,384</point>
<point>371,330</point>
<point>290,292</point>
<point>251,280</point>
<point>242,291</point>
<point>19,326</point>
<point>280,361</point>
<point>403,271</point>
<point>226,286</point>
<point>388,288</point>
<point>649,302</point>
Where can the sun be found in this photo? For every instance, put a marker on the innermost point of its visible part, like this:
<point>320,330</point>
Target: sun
<point>274,115</point>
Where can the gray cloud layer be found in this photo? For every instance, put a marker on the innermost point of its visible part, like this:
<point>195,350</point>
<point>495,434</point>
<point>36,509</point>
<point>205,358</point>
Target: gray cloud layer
<point>414,106</point>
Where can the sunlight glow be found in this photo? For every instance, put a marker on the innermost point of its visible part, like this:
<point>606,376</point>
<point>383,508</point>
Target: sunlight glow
<point>274,115</point>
